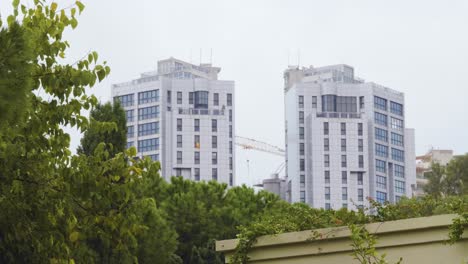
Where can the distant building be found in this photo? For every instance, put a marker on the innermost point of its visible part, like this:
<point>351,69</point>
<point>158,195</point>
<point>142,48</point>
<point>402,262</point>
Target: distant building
<point>183,116</point>
<point>275,185</point>
<point>346,139</point>
<point>423,166</point>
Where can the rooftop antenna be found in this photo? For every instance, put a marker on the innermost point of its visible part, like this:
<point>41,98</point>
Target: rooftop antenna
<point>211,56</point>
<point>298,58</point>
<point>200,55</point>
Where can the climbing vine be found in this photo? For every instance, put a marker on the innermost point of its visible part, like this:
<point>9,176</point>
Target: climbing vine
<point>298,217</point>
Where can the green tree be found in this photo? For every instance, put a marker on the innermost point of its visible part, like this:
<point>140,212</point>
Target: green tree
<point>436,180</point>
<point>55,207</point>
<point>108,124</point>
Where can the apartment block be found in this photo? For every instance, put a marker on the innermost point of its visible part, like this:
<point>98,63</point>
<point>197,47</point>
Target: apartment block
<point>182,116</point>
<point>346,139</point>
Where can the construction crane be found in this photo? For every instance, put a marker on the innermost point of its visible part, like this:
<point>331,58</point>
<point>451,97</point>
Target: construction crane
<point>253,144</point>
<point>248,143</point>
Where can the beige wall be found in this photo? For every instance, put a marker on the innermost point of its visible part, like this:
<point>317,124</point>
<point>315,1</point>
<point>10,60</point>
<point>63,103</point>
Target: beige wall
<point>418,240</point>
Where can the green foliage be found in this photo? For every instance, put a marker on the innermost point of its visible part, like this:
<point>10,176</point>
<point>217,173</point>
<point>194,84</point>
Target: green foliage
<point>201,212</point>
<point>363,244</point>
<point>298,217</point>
<point>108,124</point>
<point>448,180</point>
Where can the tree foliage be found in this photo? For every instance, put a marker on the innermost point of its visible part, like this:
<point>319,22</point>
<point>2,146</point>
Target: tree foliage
<point>108,124</point>
<point>448,180</point>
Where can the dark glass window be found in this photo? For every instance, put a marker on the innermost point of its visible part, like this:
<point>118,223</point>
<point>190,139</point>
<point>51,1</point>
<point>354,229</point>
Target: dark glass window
<point>396,108</point>
<point>216,99</point>
<point>229,99</point>
<point>179,97</point>
<point>190,97</point>
<point>148,97</point>
<point>380,166</point>
<point>148,112</point>
<point>214,158</point>
<point>397,139</point>
<point>179,141</point>
<point>325,128</point>
<point>214,174</point>
<point>196,124</point>
<point>196,157</point>
<point>399,187</point>
<point>381,197</point>
<point>129,115</point>
<point>148,144</point>
<point>380,119</point>
<point>381,150</point>
<point>301,101</point>
<point>197,174</point>
<point>381,134</point>
<point>179,124</point>
<point>201,99</point>
<point>398,155</point>
<point>214,125</point>
<point>214,141</point>
<point>130,132</point>
<point>125,100</point>
<point>301,117</point>
<point>381,181</point>
<point>380,103</point>
<point>148,129</point>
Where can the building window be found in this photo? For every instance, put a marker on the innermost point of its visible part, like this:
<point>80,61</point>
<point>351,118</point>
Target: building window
<point>301,133</point>
<point>148,129</point>
<point>231,179</point>
<point>360,177</point>
<point>179,157</point>
<point>399,187</point>
<point>360,145</point>
<point>190,98</point>
<point>214,174</point>
<point>399,171</point>
<point>196,141</point>
<point>380,166</point>
<point>125,100</point>
<point>178,172</point>
<point>216,99</point>
<point>129,144</point>
<point>343,144</point>
<point>130,132</point>
<point>325,128</point>
<point>343,161</point>
<point>214,125</point>
<point>344,177</point>
<point>381,182</point>
<point>301,117</point>
<point>214,158</point>
<point>229,99</point>
<point>326,144</point>
<point>396,108</point>
<point>361,161</point>
<point>380,119</point>
<point>179,97</point>
<point>169,97</point>
<point>301,101</point>
<point>179,141</point>
<point>327,206</point>
<point>230,115</point>
<point>343,104</point>
<point>197,174</point>
<point>302,180</point>
<point>344,193</point>
<point>360,195</point>
<point>343,128</point>
<point>214,142</point>
<point>230,163</point>
<point>230,131</point>
<point>359,129</point>
<point>148,97</point>
<point>327,193</point>
<point>381,197</point>
<point>326,160</point>
<point>397,124</point>
<point>196,157</point>
<point>148,144</point>
<point>314,101</point>
<point>201,99</point>
<point>302,197</point>
<point>196,125</point>
<point>327,177</point>
<point>398,155</point>
<point>301,148</point>
<point>179,124</point>
<point>302,165</point>
<point>381,134</point>
<point>397,139</point>
<point>344,205</point>
<point>230,147</point>
<point>129,115</point>
<point>154,157</point>
<point>361,102</point>
<point>148,112</point>
<point>380,103</point>
<point>381,150</point>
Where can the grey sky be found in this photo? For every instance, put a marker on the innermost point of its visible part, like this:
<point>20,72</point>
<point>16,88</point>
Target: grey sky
<point>417,47</point>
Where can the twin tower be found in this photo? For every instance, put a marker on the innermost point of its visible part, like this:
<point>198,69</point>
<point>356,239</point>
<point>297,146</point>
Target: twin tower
<point>346,139</point>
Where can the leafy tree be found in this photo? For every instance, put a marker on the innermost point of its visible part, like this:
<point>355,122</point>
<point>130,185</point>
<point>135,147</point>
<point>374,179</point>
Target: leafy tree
<point>108,124</point>
<point>448,180</point>
<point>55,207</point>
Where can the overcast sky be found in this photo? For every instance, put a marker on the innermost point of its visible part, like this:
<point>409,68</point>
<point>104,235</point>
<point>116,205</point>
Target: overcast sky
<point>416,47</point>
